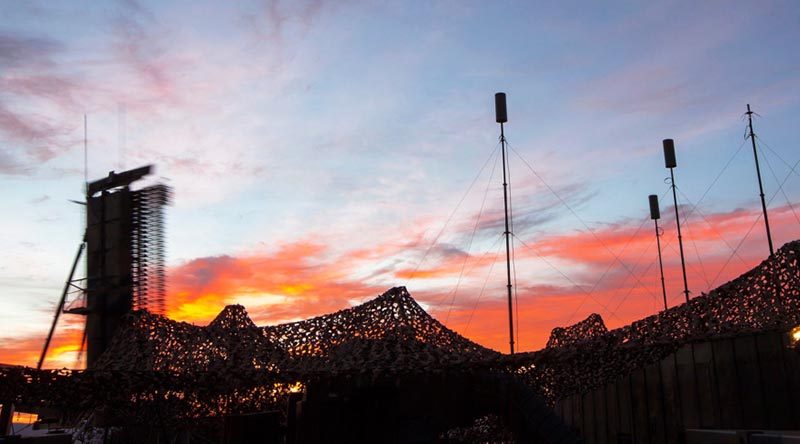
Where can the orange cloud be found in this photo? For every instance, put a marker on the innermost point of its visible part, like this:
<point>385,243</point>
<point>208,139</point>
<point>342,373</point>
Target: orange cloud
<point>296,281</point>
<point>621,289</point>
<point>304,279</point>
<point>64,350</point>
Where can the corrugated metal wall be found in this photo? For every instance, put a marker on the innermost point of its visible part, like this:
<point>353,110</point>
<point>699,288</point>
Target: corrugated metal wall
<point>749,381</point>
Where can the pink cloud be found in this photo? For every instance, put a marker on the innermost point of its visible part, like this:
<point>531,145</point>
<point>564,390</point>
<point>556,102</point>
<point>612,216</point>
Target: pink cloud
<point>308,278</point>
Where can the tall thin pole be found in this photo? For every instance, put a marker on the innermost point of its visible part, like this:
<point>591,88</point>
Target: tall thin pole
<point>670,162</point>
<point>85,156</point>
<point>758,173</point>
<point>508,249</point>
<point>680,238</point>
<point>661,265</point>
<point>655,214</point>
<point>501,117</point>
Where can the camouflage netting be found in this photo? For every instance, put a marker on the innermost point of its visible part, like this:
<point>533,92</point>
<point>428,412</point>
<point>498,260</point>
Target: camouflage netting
<point>159,371</point>
<point>589,328</point>
<point>389,334</point>
<point>765,298</point>
<point>486,429</point>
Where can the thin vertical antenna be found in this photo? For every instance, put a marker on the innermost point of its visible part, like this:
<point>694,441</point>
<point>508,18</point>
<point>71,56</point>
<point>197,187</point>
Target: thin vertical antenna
<point>85,156</point>
<point>122,133</point>
<point>670,162</point>
<point>655,214</point>
<point>752,136</point>
<point>501,117</point>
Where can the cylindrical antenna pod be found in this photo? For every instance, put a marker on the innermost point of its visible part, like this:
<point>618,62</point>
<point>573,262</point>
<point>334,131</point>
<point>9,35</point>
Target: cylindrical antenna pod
<point>655,213</point>
<point>669,154</point>
<point>500,107</point>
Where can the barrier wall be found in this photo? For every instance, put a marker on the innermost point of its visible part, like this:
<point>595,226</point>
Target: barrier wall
<point>750,381</point>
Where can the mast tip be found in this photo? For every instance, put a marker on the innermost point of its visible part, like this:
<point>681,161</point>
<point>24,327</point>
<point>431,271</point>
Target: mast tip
<point>501,116</point>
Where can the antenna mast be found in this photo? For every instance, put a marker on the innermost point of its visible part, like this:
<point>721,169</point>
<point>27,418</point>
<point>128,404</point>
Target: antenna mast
<point>671,163</point>
<point>501,117</point>
<point>85,156</point>
<point>758,173</point>
<point>655,214</point>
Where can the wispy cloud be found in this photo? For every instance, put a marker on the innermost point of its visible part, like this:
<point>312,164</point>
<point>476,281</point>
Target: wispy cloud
<point>10,165</point>
<point>32,79</point>
<point>25,52</point>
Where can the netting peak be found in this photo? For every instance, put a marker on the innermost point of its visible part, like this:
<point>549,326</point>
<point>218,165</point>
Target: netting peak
<point>233,317</point>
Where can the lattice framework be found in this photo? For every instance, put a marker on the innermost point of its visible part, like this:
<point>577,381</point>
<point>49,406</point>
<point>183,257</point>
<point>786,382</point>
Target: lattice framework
<point>148,248</point>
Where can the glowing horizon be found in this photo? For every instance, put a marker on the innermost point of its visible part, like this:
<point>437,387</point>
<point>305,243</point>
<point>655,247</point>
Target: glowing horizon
<point>221,286</point>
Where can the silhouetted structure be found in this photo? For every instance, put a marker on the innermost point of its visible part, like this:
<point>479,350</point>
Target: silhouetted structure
<point>124,255</point>
<point>670,162</point>
<point>752,136</point>
<point>655,215</point>
<point>501,116</point>
<point>386,371</point>
<point>724,360</point>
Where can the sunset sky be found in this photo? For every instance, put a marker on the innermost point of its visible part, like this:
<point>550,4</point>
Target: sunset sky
<point>323,152</point>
